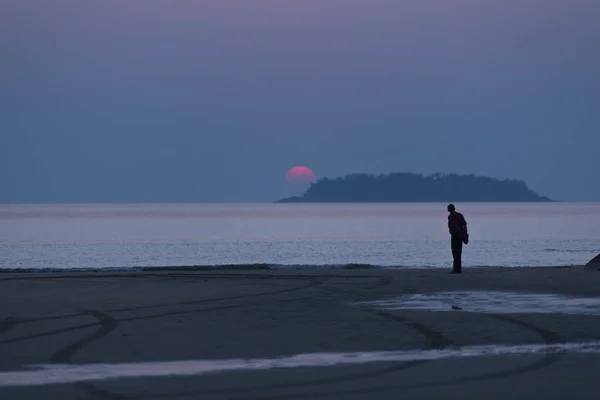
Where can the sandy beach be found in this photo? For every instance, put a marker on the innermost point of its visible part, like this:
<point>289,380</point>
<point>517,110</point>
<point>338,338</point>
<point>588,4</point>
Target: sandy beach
<point>264,334</point>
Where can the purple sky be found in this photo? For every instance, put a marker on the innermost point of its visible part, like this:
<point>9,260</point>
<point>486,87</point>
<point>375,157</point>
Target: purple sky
<point>213,100</point>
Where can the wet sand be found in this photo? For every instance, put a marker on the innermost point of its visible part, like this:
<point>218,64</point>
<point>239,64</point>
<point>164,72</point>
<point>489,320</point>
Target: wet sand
<point>73,322</point>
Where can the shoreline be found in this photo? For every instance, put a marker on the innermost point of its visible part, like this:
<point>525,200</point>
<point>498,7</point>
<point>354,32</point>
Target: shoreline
<point>259,268</point>
<point>550,279</point>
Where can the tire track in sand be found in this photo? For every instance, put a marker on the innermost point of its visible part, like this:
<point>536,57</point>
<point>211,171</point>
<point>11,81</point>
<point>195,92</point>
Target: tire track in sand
<point>433,340</point>
<point>547,336</point>
<point>107,325</point>
<point>7,324</point>
<point>312,282</point>
<point>88,325</point>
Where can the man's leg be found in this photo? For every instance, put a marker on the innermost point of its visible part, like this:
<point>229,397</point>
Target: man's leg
<point>457,253</point>
<point>459,246</point>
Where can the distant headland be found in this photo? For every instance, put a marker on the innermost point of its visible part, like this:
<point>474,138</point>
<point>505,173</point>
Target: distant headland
<point>410,187</point>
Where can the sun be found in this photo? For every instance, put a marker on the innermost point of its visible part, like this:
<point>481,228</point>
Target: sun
<point>300,174</point>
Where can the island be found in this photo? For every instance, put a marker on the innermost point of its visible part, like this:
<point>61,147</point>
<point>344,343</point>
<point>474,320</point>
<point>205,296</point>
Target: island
<point>411,187</point>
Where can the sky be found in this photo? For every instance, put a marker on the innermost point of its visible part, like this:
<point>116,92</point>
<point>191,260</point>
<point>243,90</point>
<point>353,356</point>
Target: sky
<point>214,100</point>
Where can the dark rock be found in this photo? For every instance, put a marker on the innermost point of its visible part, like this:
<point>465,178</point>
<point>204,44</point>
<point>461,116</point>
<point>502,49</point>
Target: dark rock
<point>594,263</point>
<point>456,308</point>
<point>385,280</point>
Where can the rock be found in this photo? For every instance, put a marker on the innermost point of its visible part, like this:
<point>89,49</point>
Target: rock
<point>456,308</point>
<point>385,280</point>
<point>594,263</point>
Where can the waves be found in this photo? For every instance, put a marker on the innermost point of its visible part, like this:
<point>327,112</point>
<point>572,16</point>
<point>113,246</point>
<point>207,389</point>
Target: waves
<point>200,268</point>
<point>571,251</point>
<point>241,267</point>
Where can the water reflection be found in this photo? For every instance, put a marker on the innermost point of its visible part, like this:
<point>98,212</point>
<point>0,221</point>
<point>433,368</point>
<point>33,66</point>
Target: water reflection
<point>492,302</point>
<point>69,373</point>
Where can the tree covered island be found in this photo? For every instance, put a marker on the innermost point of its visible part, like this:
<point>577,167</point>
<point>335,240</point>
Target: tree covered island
<point>410,187</point>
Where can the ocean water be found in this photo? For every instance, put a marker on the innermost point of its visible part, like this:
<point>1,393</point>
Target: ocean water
<point>294,235</point>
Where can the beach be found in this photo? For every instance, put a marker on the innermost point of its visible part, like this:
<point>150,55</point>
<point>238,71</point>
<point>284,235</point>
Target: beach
<point>300,334</point>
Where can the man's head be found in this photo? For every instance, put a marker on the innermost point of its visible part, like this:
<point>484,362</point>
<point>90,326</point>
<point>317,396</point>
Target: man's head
<point>451,208</point>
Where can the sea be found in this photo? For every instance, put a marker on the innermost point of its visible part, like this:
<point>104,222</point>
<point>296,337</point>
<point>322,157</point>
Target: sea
<point>292,236</point>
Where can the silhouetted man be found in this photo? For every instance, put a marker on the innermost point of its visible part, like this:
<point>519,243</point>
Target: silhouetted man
<point>457,225</point>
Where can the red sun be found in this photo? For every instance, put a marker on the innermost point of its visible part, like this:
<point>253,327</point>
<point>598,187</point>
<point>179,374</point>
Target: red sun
<point>300,174</point>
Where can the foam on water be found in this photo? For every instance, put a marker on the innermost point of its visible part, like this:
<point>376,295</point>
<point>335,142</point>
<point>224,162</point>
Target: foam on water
<point>192,268</point>
<point>492,302</point>
<point>70,373</point>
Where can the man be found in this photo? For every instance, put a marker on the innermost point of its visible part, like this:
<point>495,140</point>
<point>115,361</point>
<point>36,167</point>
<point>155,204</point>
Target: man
<point>457,225</point>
